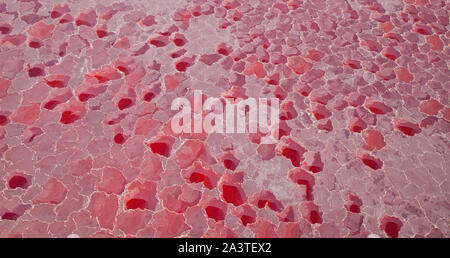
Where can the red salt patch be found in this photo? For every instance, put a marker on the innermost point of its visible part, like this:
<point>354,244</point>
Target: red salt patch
<point>232,194</point>
<point>370,161</point>
<point>320,111</point>
<point>403,74</point>
<point>266,151</point>
<point>302,177</point>
<point>13,40</point>
<point>17,181</point>
<point>144,126</point>
<point>87,17</point>
<point>198,174</point>
<point>386,27</point>
<point>172,82</point>
<point>273,80</point>
<point>310,212</point>
<point>354,208</point>
<point>189,152</point>
<point>55,14</point>
<point>266,198</point>
<point>57,80</point>
<point>3,120</point>
<point>355,99</point>
<point>279,93</point>
<point>181,66</point>
<point>161,145</point>
<point>292,151</point>
<point>56,84</point>
<point>131,221</point>
<point>293,156</point>
<point>27,114</point>
<point>314,55</point>
<point>325,125</point>
<point>4,86</point>
<point>9,216</point>
<point>287,215</point>
<point>370,45</point>
<point>136,204</point>
<point>122,43</point>
<point>103,207</point>
<point>179,198</point>
<point>101,33</point>
<point>255,68</point>
<point>377,107</point>
<point>312,75</point>
<point>294,4</point>
<point>428,121</point>
<point>391,226</point>
<point>299,65</point>
<point>435,233</point>
<point>390,53</point>
<point>101,79</point>
<point>230,4</point>
<point>148,20</point>
<point>196,178</point>
<point>138,195</point>
<point>59,9</point>
<point>179,40</point>
<point>229,164</point>
<point>391,229</point>
<point>36,72</point>
<point>353,204</point>
<point>66,18</point>
<point>151,168</point>
<point>374,139</point>
<point>263,228</point>
<point>112,181</point>
<point>422,29</point>
<point>68,117</point>
<point>80,167</point>
<point>168,224</point>
<point>313,162</point>
<point>435,42</point>
<point>5,29</point>
<point>181,15</point>
<point>196,10</point>
<point>158,41</point>
<point>83,97</point>
<point>247,220</point>
<point>315,217</point>
<point>160,148</point>
<point>406,127</point>
<point>446,114</point>
<point>53,192</point>
<point>149,96</point>
<point>123,69</point>
<point>209,59</point>
<point>34,44</point>
<point>430,107</point>
<point>41,30</point>
<point>379,17</point>
<point>370,66</point>
<point>215,213</point>
<point>223,49</point>
<point>287,111</point>
<point>124,103</point>
<point>354,64</point>
<point>394,36</point>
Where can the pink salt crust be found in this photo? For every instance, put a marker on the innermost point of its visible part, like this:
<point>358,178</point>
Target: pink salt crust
<point>86,147</point>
